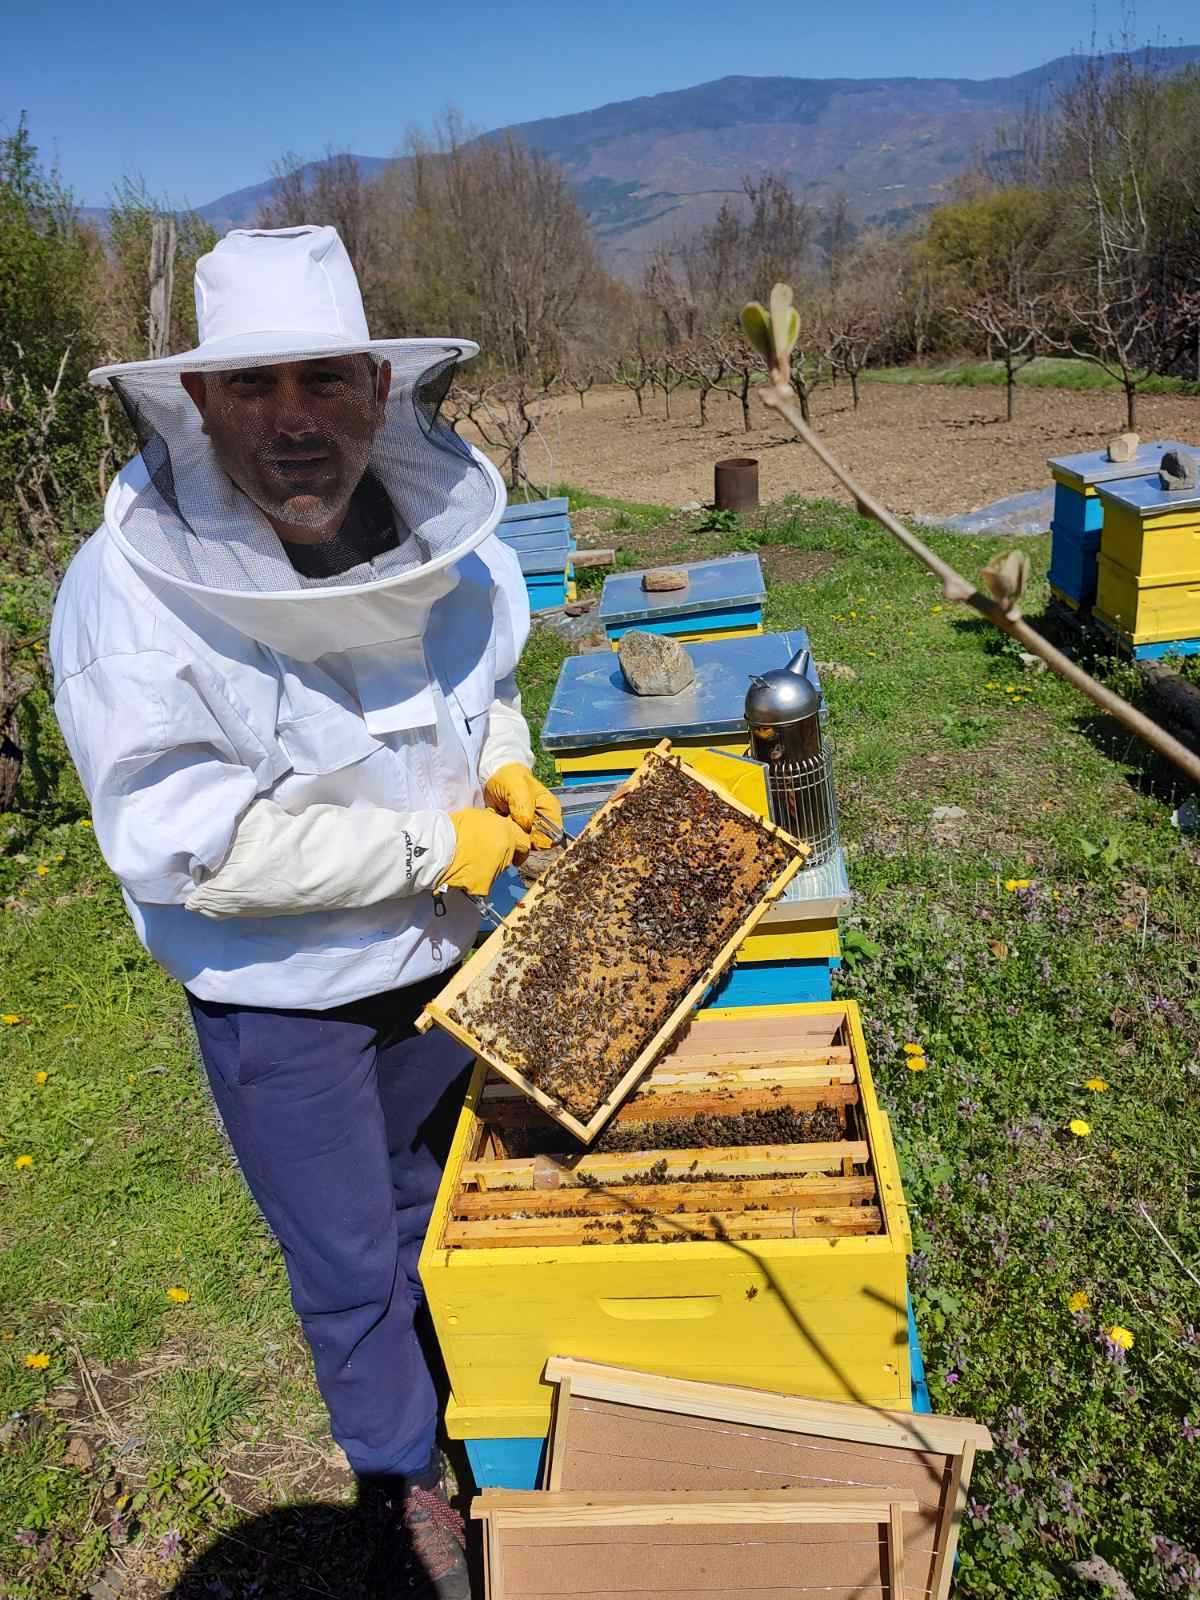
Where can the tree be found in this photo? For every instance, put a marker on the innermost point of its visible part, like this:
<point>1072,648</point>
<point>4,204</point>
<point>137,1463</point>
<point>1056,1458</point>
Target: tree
<point>635,372</point>
<point>330,192</point>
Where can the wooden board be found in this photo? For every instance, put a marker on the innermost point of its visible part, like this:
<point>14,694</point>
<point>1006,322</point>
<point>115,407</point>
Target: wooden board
<point>714,1101</point>
<point>635,1433</point>
<point>479,969</point>
<point>668,1199</point>
<point>683,1546</point>
<point>731,1161</point>
<point>642,1227</point>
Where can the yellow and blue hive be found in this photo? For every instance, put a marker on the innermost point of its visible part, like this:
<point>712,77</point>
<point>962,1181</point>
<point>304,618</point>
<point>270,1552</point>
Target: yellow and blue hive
<point>1075,532</point>
<point>1148,591</point>
<point>724,599</point>
<point>799,1313</point>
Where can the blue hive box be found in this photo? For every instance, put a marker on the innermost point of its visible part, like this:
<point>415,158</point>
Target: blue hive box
<point>598,729</point>
<point>724,597</point>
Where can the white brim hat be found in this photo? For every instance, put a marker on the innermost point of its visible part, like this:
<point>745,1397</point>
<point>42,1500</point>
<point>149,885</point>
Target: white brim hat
<point>271,295</point>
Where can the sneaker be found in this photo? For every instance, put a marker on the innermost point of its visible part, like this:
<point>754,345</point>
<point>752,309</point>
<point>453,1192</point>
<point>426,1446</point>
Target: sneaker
<point>426,1560</point>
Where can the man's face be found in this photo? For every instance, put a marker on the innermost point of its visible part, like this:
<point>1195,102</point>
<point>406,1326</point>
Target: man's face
<point>296,437</point>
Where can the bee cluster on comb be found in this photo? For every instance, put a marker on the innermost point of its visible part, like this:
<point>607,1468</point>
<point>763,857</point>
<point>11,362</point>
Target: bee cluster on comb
<point>620,931</point>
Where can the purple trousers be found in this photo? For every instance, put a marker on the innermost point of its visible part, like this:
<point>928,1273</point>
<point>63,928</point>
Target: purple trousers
<point>341,1122</point>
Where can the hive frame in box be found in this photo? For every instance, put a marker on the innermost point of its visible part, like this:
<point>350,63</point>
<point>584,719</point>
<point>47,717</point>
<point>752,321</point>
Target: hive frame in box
<point>583,1385</point>
<point>825,1316</point>
<point>438,1010</point>
<point>507,1514</point>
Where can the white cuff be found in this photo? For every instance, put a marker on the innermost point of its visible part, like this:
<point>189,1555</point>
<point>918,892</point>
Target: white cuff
<point>325,858</point>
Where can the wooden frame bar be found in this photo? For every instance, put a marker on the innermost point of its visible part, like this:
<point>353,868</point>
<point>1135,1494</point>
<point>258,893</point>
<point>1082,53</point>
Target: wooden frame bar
<point>795,1223</point>
<point>510,931</point>
<point>512,1519</point>
<point>734,1161</point>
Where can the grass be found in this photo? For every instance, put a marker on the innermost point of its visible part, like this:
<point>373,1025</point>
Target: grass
<point>1048,937</point>
<point>1045,372</point>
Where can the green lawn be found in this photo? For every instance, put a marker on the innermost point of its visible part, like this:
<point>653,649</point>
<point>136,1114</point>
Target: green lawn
<point>1047,939</point>
<point>1045,372</point>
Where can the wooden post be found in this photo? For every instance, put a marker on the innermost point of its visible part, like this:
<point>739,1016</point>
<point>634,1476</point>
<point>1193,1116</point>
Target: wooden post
<point>163,240</point>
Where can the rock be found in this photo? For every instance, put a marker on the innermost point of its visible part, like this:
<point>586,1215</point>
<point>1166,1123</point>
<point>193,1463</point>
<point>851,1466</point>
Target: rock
<point>1124,447</point>
<point>947,814</point>
<point>654,664</point>
<point>1187,816</point>
<point>663,579</point>
<point>63,1399</point>
<point>837,671</point>
<point>1032,663</point>
<point>1177,470</point>
<point>692,505</point>
<point>578,608</point>
<point>78,1453</point>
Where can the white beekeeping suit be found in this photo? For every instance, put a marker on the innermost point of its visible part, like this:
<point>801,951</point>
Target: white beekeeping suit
<point>271,759</point>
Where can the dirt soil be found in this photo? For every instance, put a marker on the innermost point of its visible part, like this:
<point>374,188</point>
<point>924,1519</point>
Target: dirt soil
<point>921,448</point>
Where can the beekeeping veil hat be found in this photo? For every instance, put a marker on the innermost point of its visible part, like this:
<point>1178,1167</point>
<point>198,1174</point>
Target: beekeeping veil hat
<point>265,297</point>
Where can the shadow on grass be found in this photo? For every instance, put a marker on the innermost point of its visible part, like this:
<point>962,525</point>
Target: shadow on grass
<point>294,1552</point>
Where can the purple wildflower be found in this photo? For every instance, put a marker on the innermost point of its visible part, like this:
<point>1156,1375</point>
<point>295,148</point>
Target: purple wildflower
<point>1112,1350</point>
<point>1014,1490</point>
<point>1045,971</point>
<point>169,1545</point>
<point>1181,1569</point>
<point>1046,1224</point>
<point>950,1378</point>
<point>1167,1009</point>
<point>26,1538</point>
<point>982,1180</point>
<point>980,1510</point>
<point>918,1267</point>
<point>1190,1431</point>
<point>967,1107</point>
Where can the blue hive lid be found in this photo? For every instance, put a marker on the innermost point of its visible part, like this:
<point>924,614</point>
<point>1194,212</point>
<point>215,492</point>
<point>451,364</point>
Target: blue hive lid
<point>712,586</point>
<point>1093,467</point>
<point>593,705</point>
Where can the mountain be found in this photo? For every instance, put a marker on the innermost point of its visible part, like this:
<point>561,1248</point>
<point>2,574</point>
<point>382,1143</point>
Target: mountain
<point>648,169</point>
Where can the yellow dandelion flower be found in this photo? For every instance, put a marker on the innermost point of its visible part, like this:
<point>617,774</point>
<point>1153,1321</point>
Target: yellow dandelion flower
<point>1079,1127</point>
<point>1097,1085</point>
<point>43,870</point>
<point>1079,1301</point>
<point>916,1063</point>
<point>1010,688</point>
<point>1015,701</point>
<point>914,1049</point>
<point>23,1163</point>
<point>11,1018</point>
<point>177,1296</point>
<point>934,610</point>
<point>991,684</point>
<point>1120,1336</point>
<point>38,1360</point>
<point>84,822</point>
<point>41,1077</point>
<point>1013,884</point>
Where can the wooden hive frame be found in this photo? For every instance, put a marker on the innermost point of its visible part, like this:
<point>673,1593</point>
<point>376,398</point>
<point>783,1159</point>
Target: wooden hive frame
<point>722,1065</point>
<point>509,934</point>
<point>647,1432</point>
<point>649,1546</point>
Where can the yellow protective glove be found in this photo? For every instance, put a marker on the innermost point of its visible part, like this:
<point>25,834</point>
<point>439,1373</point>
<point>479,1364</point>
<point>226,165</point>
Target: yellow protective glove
<point>514,792</point>
<point>484,844</point>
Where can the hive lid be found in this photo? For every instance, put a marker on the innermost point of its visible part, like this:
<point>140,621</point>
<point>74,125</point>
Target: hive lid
<point>592,704</point>
<point>531,510</point>
<point>1093,467</point>
<point>712,586</point>
<point>1147,497</point>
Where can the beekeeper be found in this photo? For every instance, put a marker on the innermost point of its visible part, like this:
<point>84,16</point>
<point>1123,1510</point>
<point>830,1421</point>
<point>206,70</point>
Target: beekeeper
<point>284,666</point>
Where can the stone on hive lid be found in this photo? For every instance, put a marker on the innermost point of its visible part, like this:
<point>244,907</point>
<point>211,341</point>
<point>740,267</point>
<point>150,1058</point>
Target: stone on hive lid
<point>663,579</point>
<point>1124,447</point>
<point>1177,470</point>
<point>654,664</point>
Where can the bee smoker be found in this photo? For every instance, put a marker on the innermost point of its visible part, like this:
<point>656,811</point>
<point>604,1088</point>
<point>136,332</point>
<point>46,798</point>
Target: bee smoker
<point>783,714</point>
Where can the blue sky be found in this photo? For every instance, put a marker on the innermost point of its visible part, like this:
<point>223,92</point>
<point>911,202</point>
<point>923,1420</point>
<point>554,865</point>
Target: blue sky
<point>200,99</point>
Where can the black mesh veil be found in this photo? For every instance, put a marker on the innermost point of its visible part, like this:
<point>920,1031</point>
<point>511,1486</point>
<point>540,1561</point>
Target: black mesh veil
<point>192,523</point>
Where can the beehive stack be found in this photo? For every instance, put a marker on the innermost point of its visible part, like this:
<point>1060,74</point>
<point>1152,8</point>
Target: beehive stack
<point>539,531</point>
<point>1075,533</point>
<point>1148,592</point>
<point>740,1220</point>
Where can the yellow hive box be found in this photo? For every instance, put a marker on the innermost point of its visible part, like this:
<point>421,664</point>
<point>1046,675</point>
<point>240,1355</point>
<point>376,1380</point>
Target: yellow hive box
<point>625,757</point>
<point>808,941</point>
<point>1164,548</point>
<point>1147,612</point>
<point>818,1316</point>
<point>704,636</point>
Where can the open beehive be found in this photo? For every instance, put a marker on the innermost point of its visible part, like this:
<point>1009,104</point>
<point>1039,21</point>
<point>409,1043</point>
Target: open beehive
<point>573,998</point>
<point>748,1189</point>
